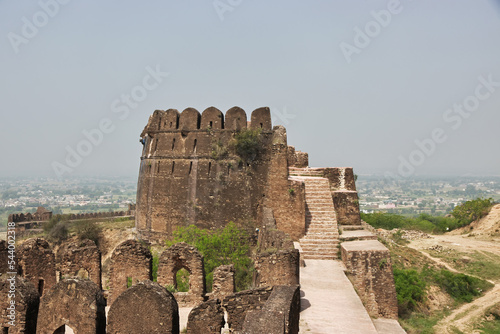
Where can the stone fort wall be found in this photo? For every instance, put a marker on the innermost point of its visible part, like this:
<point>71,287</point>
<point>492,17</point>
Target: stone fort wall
<point>189,176</point>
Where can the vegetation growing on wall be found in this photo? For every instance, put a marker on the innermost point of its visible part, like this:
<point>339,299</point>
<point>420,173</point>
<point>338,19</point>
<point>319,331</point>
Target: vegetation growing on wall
<point>229,245</point>
<point>247,144</point>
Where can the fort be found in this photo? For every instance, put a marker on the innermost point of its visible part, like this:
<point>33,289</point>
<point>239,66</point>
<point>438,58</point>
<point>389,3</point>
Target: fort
<point>190,174</point>
<point>207,170</point>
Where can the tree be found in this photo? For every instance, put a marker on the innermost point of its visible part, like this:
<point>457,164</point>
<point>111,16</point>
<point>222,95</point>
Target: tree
<point>472,210</point>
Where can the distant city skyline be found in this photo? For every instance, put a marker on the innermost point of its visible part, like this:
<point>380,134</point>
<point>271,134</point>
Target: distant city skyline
<point>397,88</point>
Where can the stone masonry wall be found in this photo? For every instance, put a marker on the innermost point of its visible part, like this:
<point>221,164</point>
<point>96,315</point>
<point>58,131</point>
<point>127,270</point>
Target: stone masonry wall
<point>80,259</point>
<point>36,262</point>
<point>189,176</point>
<point>22,316</point>
<point>4,258</point>
<point>238,304</point>
<point>176,257</point>
<point>369,268</point>
<point>144,308</point>
<point>76,303</point>
<point>279,315</point>
<point>223,283</point>
<point>285,197</point>
<point>206,318</point>
<point>277,268</point>
<point>131,262</point>
<point>346,205</point>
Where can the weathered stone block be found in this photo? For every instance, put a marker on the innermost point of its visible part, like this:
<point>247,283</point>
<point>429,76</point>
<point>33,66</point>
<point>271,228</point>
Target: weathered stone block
<point>277,268</point>
<point>206,318</point>
<point>369,268</point>
<point>76,303</point>
<point>37,263</point>
<point>144,308</point>
<point>223,283</point>
<point>23,317</point>
<point>346,205</point>
<point>131,262</point>
<point>80,259</point>
<point>279,315</point>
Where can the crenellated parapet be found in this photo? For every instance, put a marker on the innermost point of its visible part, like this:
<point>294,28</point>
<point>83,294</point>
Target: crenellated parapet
<point>41,215</point>
<point>211,118</point>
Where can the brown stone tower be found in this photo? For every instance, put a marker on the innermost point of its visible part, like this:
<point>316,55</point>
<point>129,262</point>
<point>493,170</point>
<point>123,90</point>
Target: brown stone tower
<point>189,174</point>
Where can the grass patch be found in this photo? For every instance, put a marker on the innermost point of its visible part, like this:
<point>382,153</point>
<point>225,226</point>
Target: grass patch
<point>420,323</point>
<point>483,264</point>
<point>490,327</point>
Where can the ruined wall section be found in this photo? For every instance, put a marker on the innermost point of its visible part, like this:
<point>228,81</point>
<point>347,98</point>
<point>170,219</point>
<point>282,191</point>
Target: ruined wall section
<point>280,314</point>
<point>297,159</point>
<point>4,259</point>
<point>80,259</point>
<point>369,268</point>
<point>20,317</point>
<point>131,263</point>
<point>37,263</point>
<point>183,256</point>
<point>188,175</point>
<point>238,304</point>
<point>223,282</point>
<point>144,308</point>
<point>76,303</point>
<point>286,197</point>
<point>206,318</point>
<point>344,195</point>
<point>277,268</point>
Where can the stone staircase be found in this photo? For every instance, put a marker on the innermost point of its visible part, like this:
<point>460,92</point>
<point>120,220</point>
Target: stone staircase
<point>313,172</point>
<point>321,240</point>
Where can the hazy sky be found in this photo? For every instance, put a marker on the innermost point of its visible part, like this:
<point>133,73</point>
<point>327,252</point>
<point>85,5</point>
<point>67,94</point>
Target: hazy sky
<point>356,83</point>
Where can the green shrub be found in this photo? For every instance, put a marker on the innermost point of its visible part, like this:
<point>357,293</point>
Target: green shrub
<point>88,230</point>
<point>462,288</point>
<point>410,289</point>
<point>247,144</point>
<point>58,233</point>
<point>387,221</point>
<point>219,151</point>
<point>182,279</point>
<point>472,210</point>
<point>424,222</point>
<point>53,222</point>
<point>220,247</point>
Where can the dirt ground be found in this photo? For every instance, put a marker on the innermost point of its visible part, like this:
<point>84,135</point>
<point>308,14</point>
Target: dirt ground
<point>483,237</point>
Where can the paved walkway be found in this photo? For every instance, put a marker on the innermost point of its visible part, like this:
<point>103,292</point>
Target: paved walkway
<point>329,302</point>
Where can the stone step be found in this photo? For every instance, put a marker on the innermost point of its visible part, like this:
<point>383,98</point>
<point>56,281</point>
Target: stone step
<point>320,222</point>
<point>324,215</point>
<point>318,200</point>
<point>322,228</point>
<point>351,227</point>
<point>321,207</point>
<point>320,257</point>
<point>319,246</point>
<point>320,237</point>
<point>357,235</point>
